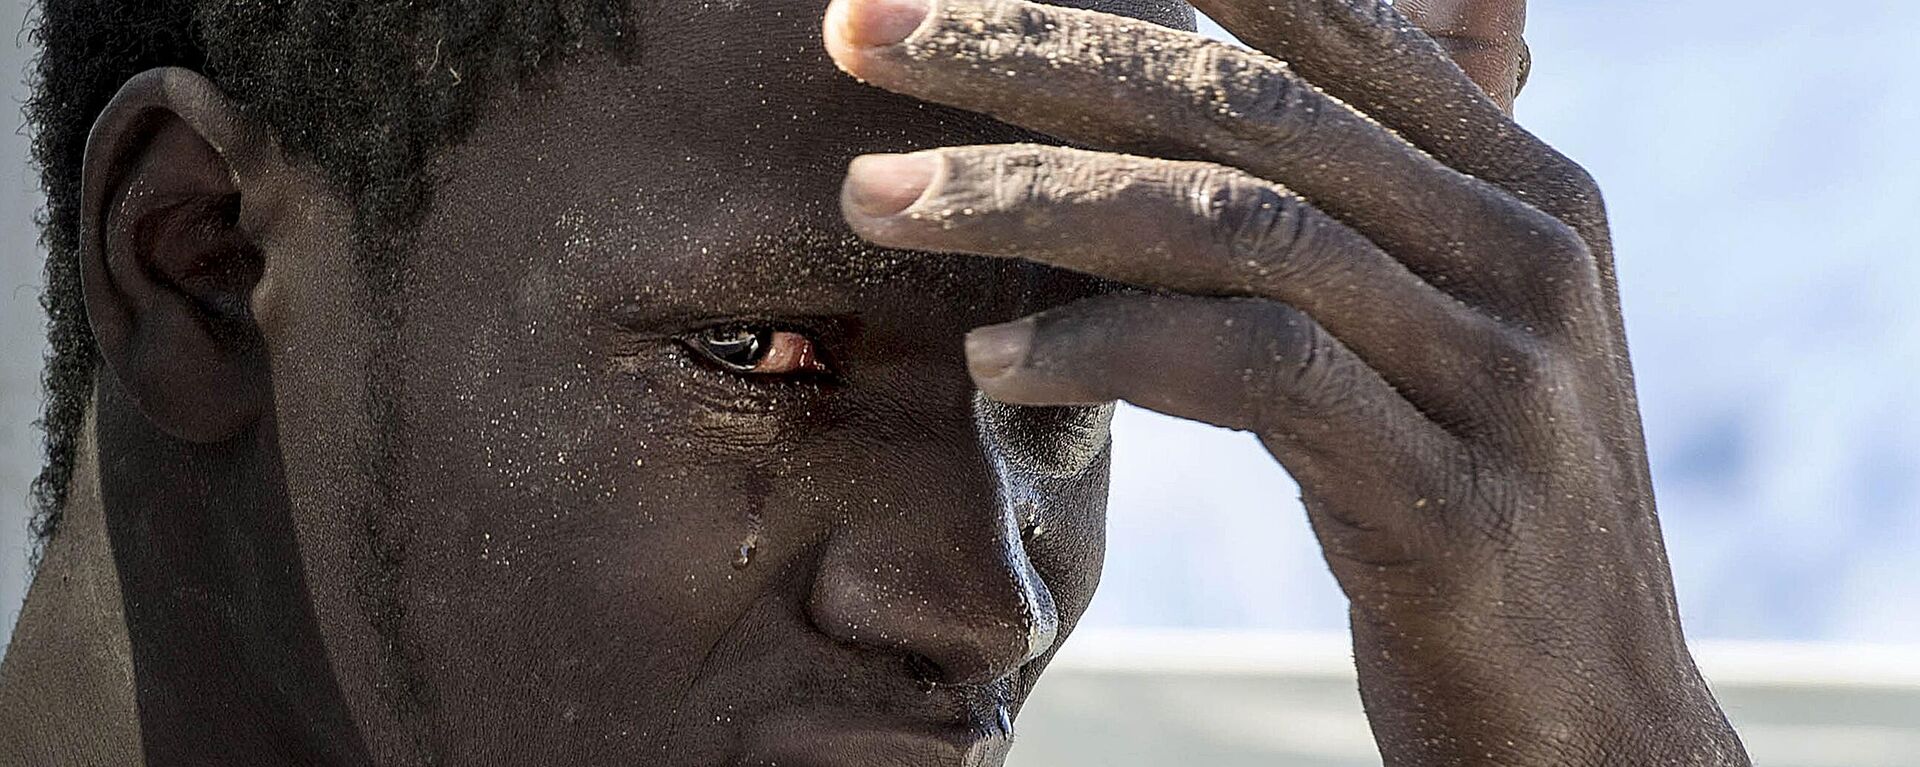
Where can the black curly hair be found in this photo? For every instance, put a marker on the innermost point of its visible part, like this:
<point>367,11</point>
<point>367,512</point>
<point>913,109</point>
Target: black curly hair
<point>366,90</point>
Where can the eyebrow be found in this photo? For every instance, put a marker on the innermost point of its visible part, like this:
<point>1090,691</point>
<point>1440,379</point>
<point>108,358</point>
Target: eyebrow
<point>822,294</point>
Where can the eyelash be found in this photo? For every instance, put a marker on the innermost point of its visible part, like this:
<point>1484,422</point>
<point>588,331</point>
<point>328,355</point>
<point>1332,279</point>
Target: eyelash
<point>744,350</point>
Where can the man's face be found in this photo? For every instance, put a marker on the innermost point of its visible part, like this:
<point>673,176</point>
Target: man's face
<point>670,469</point>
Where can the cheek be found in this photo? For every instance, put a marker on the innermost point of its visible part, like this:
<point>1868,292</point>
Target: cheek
<point>575,526</point>
<point>627,482</point>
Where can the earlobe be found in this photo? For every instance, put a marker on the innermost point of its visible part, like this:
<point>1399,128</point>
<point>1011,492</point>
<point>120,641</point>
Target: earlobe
<point>167,267</point>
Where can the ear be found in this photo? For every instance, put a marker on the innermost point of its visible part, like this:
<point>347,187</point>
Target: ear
<point>172,170</point>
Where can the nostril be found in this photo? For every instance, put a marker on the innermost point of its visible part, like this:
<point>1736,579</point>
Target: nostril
<point>923,671</point>
<point>993,613</point>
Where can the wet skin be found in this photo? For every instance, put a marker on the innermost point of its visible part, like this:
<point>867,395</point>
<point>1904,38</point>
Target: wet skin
<point>644,457</point>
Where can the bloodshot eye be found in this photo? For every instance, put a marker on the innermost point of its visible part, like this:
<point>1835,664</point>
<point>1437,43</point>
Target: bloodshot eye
<point>757,351</point>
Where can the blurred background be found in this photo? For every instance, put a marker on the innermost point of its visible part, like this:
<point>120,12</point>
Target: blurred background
<point>1759,163</point>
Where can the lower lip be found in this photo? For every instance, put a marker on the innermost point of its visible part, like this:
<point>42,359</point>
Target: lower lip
<point>815,744</point>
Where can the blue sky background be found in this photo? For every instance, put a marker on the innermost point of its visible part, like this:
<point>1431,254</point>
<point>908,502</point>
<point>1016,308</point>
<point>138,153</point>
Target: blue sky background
<point>1760,163</point>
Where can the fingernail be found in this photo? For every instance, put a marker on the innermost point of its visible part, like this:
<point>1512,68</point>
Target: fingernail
<point>870,23</point>
<point>885,184</point>
<point>996,349</point>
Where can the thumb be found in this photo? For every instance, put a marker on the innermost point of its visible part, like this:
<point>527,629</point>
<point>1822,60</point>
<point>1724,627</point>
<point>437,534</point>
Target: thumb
<point>1484,38</point>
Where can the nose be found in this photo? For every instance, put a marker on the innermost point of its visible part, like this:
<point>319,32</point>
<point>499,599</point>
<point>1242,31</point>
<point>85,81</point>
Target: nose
<point>950,588</point>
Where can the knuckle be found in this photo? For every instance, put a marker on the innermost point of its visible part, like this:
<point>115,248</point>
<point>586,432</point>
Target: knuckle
<point>1562,187</point>
<point>1259,227</point>
<point>1380,23</point>
<point>1310,369</point>
<point>1530,396</point>
<point>1558,250</point>
<point>1523,366</point>
<point>1019,174</point>
<point>1538,264</point>
<point>1564,277</point>
<point>1578,184</point>
<point>1528,389</point>
<point>1294,366</point>
<point>998,174</point>
<point>1255,99</point>
<point>1008,178</point>
<point>1562,242</point>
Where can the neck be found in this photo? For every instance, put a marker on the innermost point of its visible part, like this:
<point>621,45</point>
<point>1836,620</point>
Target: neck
<point>177,569</point>
<point>67,683</point>
<point>227,656</point>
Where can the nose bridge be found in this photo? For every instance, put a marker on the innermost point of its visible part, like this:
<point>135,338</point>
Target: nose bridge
<point>938,570</point>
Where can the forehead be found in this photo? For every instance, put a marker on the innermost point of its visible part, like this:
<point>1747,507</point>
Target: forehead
<point>704,168</point>
<point>741,88</point>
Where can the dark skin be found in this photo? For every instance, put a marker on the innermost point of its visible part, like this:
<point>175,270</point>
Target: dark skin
<point>645,459</point>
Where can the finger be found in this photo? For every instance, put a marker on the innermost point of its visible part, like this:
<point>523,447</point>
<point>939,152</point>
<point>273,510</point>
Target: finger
<point>1366,54</point>
<point>1484,37</point>
<point>1190,227</point>
<point>1123,84</point>
<point>1240,363</point>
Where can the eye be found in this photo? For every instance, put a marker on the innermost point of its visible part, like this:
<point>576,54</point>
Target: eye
<point>758,351</point>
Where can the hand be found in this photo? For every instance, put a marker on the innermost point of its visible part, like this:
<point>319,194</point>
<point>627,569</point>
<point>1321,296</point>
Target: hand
<point>1483,37</point>
<point>1360,258</point>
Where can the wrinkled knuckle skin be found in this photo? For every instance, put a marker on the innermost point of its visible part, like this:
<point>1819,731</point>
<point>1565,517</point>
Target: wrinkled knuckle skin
<point>1302,351</point>
<point>1012,175</point>
<point>1294,366</point>
<point>1247,101</point>
<point>1257,227</point>
<point>1031,180</point>
<point>983,185</point>
<point>1263,105</point>
<point>1373,14</point>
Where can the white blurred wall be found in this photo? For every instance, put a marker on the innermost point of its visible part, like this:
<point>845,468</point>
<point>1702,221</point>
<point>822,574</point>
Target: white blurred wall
<point>22,325</point>
<point>1223,699</point>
